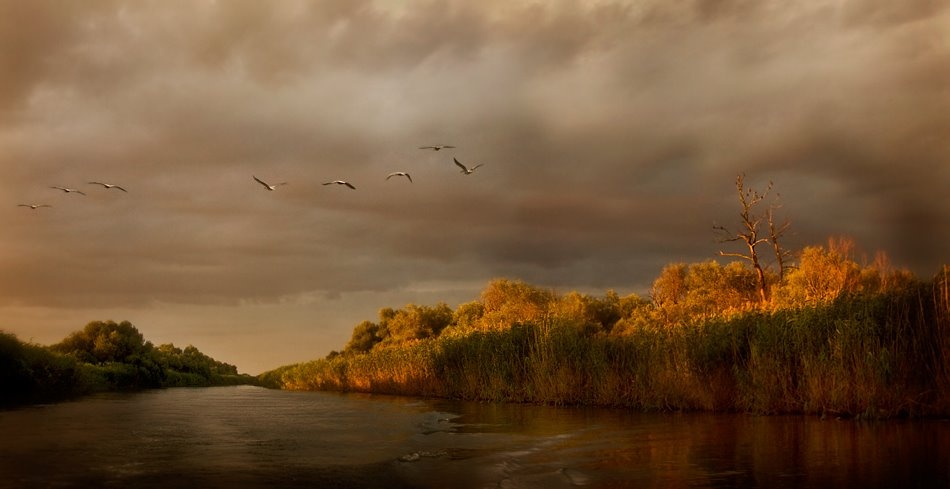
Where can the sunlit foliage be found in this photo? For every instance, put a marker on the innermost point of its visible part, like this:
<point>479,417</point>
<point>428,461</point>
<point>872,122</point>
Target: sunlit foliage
<point>467,317</point>
<point>508,302</point>
<point>699,291</point>
<point>826,273</point>
<point>418,322</point>
<point>834,337</point>
<point>396,326</point>
<point>669,289</point>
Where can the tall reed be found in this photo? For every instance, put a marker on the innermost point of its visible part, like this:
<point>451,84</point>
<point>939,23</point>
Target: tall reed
<point>879,355</point>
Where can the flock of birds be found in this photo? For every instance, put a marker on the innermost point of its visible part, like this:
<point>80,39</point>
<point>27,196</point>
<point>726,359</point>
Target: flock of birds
<point>465,170</point>
<point>68,190</point>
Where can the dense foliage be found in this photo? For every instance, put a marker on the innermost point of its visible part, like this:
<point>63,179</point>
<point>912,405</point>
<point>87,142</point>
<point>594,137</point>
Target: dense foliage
<point>103,356</point>
<point>833,337</point>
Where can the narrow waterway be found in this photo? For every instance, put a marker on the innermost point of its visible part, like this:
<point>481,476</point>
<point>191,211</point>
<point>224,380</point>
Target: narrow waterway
<point>244,437</point>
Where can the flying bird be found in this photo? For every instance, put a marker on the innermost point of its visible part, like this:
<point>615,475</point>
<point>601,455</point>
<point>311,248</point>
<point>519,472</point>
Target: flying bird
<point>69,190</point>
<point>341,182</point>
<point>398,174</point>
<point>34,206</point>
<point>466,170</point>
<point>436,147</point>
<point>108,186</point>
<point>266,185</point>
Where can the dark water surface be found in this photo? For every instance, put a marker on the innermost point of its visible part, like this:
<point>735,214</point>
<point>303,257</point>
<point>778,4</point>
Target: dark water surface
<point>243,437</point>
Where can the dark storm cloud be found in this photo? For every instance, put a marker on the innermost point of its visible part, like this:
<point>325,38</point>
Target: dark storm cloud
<point>611,134</point>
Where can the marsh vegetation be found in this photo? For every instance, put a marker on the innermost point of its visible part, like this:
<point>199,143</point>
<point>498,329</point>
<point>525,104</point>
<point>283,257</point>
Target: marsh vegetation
<point>831,336</point>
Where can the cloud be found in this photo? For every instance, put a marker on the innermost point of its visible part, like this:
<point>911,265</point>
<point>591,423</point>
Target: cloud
<point>31,35</point>
<point>880,13</point>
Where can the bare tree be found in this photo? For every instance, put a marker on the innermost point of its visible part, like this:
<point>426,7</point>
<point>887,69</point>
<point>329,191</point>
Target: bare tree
<point>776,232</point>
<point>752,236</point>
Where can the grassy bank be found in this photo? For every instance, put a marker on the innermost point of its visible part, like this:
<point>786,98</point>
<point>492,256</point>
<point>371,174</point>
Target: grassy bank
<point>879,352</point>
<point>104,356</point>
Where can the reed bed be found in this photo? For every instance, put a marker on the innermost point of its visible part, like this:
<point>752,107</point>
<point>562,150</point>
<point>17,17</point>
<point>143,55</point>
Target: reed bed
<point>879,355</point>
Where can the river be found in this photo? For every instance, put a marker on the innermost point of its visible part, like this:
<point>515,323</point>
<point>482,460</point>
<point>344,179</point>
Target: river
<point>249,437</point>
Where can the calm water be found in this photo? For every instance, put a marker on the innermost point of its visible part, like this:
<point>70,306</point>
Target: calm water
<point>241,437</point>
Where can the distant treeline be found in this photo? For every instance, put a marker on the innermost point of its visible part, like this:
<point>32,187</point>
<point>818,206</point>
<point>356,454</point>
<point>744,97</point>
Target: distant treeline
<point>103,356</point>
<point>834,338</point>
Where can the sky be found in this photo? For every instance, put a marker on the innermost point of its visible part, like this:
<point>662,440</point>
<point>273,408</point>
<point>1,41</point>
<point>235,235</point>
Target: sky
<point>610,134</point>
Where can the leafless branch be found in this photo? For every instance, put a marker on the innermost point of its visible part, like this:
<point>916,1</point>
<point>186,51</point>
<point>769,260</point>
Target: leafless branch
<point>749,198</point>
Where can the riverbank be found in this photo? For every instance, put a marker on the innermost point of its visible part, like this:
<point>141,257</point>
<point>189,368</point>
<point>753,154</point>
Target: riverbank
<point>879,354</point>
<point>105,356</point>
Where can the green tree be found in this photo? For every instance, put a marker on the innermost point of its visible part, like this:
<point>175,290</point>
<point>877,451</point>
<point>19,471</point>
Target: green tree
<point>169,356</point>
<point>635,313</point>
<point>386,315</point>
<point>468,316</point>
<point>105,341</point>
<point>365,336</point>
<point>632,304</point>
<point>591,314</point>
<point>607,310</point>
<point>191,360</point>
<point>419,322</point>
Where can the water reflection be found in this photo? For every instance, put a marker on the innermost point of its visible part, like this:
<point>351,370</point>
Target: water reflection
<point>240,437</point>
<point>534,446</point>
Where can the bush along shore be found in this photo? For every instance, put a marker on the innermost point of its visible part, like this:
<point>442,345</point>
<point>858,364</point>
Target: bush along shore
<point>104,356</point>
<point>834,338</point>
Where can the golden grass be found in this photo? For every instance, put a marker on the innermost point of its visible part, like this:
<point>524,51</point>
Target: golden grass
<point>881,355</point>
